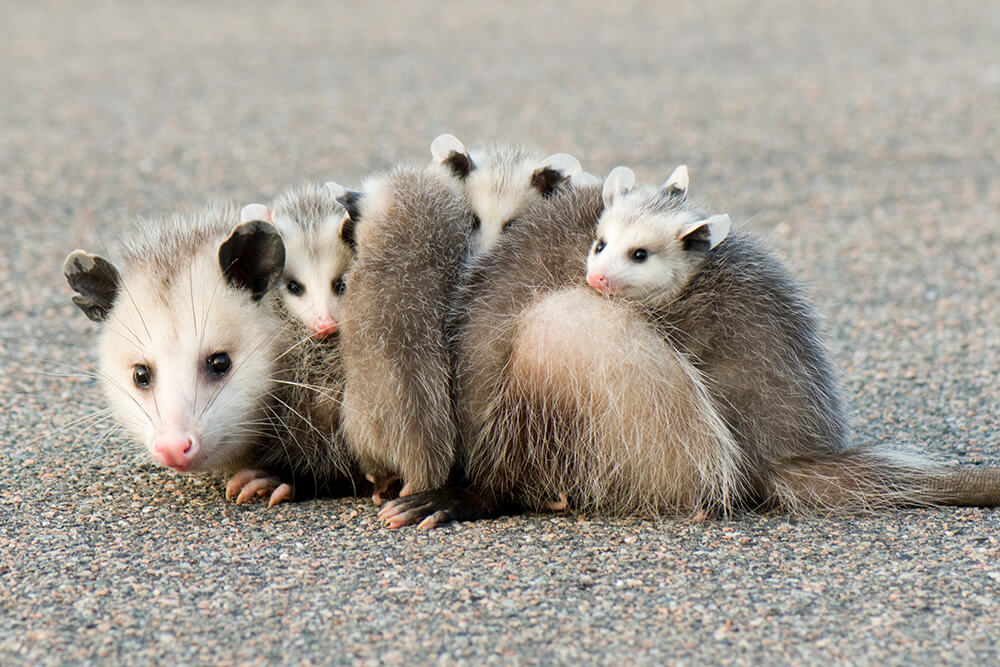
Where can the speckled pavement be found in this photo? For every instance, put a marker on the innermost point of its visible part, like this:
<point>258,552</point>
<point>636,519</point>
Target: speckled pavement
<point>861,139</point>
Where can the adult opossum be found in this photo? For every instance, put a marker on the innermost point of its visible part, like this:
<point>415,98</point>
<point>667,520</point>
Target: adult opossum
<point>198,363</point>
<point>709,394</point>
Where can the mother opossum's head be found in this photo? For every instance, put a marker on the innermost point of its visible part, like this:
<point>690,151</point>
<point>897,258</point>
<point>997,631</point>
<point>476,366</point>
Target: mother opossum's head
<point>188,350</point>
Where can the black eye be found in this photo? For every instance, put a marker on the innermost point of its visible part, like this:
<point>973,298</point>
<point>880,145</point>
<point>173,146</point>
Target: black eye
<point>142,376</point>
<point>476,222</point>
<point>339,286</point>
<point>599,246</point>
<point>639,255</point>
<point>294,288</point>
<point>218,364</point>
<point>507,224</point>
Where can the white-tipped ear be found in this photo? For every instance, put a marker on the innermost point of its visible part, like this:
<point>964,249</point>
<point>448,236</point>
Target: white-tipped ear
<point>620,180</point>
<point>584,179</point>
<point>677,184</point>
<point>564,163</point>
<point>704,235</point>
<point>252,212</point>
<point>336,189</point>
<point>445,145</point>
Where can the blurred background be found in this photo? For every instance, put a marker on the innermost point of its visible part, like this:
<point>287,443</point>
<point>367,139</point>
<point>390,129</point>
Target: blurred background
<point>861,139</point>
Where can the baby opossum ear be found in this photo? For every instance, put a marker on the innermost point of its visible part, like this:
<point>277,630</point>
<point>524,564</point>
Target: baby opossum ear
<point>349,199</point>
<point>704,235</point>
<point>95,281</point>
<point>553,171</point>
<point>449,152</point>
<point>619,181</point>
<point>677,184</point>
<point>253,257</point>
<point>252,212</point>
<point>584,179</point>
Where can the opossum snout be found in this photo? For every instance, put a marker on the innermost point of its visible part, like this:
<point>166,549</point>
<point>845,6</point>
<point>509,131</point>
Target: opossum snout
<point>177,449</point>
<point>324,326</point>
<point>598,281</point>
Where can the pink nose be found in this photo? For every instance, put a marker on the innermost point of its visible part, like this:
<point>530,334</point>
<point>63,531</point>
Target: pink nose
<point>598,281</point>
<point>323,327</point>
<point>176,449</point>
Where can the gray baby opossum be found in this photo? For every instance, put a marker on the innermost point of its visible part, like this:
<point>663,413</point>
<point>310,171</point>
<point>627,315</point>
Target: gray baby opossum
<point>198,363</point>
<point>317,256</point>
<point>412,234</point>
<point>502,181</point>
<point>696,383</point>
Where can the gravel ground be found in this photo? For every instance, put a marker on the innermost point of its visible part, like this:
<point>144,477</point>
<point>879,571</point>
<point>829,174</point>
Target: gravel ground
<point>860,138</point>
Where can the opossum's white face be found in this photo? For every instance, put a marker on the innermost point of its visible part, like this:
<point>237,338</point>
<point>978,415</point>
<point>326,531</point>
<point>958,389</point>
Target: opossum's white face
<point>501,182</point>
<point>498,193</point>
<point>648,244</point>
<point>187,366</point>
<point>315,264</point>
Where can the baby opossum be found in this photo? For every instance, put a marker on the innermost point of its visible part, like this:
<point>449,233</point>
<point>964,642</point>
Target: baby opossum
<point>706,389</point>
<point>412,235</point>
<point>502,181</point>
<point>197,362</point>
<point>316,254</point>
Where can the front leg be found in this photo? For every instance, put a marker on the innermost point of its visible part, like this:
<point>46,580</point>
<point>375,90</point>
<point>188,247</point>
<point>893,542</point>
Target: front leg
<point>434,508</point>
<point>252,482</point>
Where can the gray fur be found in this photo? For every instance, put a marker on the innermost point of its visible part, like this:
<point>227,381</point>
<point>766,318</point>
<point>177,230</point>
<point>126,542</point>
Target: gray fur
<point>412,237</point>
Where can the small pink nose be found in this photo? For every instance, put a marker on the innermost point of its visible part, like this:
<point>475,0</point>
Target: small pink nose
<point>323,327</point>
<point>176,449</point>
<point>598,281</point>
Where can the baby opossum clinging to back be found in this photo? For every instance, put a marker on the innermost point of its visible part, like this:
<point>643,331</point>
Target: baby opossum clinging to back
<point>412,234</point>
<point>700,385</point>
<point>198,363</point>
<point>317,252</point>
<point>501,182</point>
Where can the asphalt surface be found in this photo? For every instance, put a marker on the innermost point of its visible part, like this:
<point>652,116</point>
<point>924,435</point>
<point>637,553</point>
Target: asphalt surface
<point>860,138</point>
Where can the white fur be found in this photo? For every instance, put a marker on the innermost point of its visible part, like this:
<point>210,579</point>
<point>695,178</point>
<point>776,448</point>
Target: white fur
<point>174,332</point>
<point>499,186</point>
<point>630,223</point>
<point>619,181</point>
<point>315,254</point>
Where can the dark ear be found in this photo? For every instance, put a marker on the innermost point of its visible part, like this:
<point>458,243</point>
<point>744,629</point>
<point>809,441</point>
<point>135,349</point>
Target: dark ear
<point>704,235</point>
<point>95,281</point>
<point>349,199</point>
<point>347,232</point>
<point>553,172</point>
<point>449,152</point>
<point>253,257</point>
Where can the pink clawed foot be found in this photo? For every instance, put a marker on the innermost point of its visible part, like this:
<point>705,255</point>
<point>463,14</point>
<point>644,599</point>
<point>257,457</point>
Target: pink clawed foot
<point>249,483</point>
<point>381,486</point>
<point>558,505</point>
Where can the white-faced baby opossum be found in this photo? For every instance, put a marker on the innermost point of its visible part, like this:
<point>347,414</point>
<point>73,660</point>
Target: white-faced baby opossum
<point>316,254</point>
<point>500,182</point>
<point>713,393</point>
<point>198,363</point>
<point>412,234</point>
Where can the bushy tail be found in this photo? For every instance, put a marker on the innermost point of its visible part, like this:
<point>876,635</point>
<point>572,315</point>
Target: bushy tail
<point>865,480</point>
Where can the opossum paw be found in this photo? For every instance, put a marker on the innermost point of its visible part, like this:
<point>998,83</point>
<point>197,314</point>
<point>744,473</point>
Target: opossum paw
<point>434,508</point>
<point>558,505</point>
<point>383,488</point>
<point>249,483</point>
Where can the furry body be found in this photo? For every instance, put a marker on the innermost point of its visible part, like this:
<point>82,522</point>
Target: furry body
<point>187,304</point>
<point>719,399</point>
<point>412,237</point>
